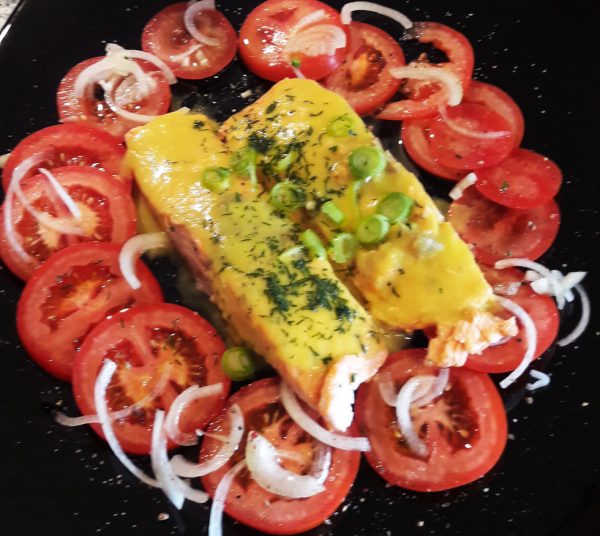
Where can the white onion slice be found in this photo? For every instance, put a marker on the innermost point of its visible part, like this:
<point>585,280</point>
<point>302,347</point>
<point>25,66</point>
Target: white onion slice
<point>448,79</point>
<point>297,72</point>
<point>469,132</point>
<point>65,420</point>
<point>537,267</point>
<point>386,388</point>
<point>304,421</point>
<point>133,248</point>
<point>583,321</point>
<point>541,380</point>
<point>102,381</point>
<point>215,524</point>
<point>261,457</point>
<point>349,8</point>
<point>530,339</point>
<point>150,58</point>
<point>62,193</point>
<point>188,20</point>
<point>185,468</point>
<point>174,488</point>
<point>414,388</point>
<point>125,114</point>
<point>179,58</point>
<point>459,189</point>
<point>311,18</point>
<point>437,388</point>
<point>185,398</point>
<point>9,225</point>
<point>319,40</point>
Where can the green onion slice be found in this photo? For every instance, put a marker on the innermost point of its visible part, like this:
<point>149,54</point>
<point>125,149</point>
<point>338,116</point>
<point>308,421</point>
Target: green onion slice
<point>216,178</point>
<point>366,162</point>
<point>395,207</point>
<point>287,196</point>
<point>244,162</point>
<point>313,243</point>
<point>238,363</point>
<point>372,229</point>
<point>332,213</point>
<point>286,160</point>
<point>343,247</point>
<point>341,127</point>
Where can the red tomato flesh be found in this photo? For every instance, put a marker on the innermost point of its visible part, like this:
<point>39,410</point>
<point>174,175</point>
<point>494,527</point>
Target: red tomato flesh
<point>542,309</point>
<point>464,429</point>
<point>495,99</point>
<point>166,37</point>
<point>496,232</point>
<point>267,30</point>
<point>107,215</point>
<point>457,150</point>
<point>71,144</point>
<point>72,292</point>
<point>143,342</point>
<point>250,504</point>
<point>523,180</point>
<point>363,78</point>
<point>424,98</point>
<point>95,111</point>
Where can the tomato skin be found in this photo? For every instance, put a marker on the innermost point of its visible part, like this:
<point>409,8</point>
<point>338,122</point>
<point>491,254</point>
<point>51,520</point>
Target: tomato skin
<point>495,99</point>
<point>380,52</point>
<point>446,467</point>
<point>455,150</point>
<point>53,344</point>
<point>138,325</point>
<point>523,180</point>
<point>497,232</point>
<point>248,506</point>
<point>542,309</point>
<point>68,144</point>
<point>165,36</point>
<point>415,139</point>
<point>108,215</point>
<point>268,59</point>
<point>424,98</point>
<point>97,113</point>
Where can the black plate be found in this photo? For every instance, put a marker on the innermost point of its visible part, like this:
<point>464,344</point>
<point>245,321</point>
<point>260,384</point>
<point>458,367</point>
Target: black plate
<point>56,481</point>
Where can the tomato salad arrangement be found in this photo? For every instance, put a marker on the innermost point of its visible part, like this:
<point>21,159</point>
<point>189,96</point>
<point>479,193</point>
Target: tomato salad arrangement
<point>150,376</point>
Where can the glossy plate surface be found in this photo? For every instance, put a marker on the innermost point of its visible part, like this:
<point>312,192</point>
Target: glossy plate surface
<point>57,481</point>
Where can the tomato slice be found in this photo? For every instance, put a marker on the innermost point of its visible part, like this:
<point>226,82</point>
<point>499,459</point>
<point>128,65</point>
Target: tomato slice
<point>147,342</point>
<point>496,232</point>
<point>67,145</point>
<point>415,139</point>
<point>65,298</point>
<point>107,215</point>
<point>456,149</point>
<point>424,98</point>
<point>363,78</point>
<point>268,28</point>
<point>252,505</point>
<point>523,180</point>
<point>542,309</point>
<point>495,99</point>
<point>166,37</point>
<point>465,429</point>
<point>95,111</point>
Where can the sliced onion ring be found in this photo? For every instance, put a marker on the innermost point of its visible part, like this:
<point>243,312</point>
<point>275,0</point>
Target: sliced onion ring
<point>318,40</point>
<point>583,321</point>
<point>261,457</point>
<point>385,385</point>
<point>300,417</point>
<point>134,247</point>
<point>125,114</point>
<point>62,193</point>
<point>195,392</point>
<point>188,20</point>
<point>215,524</point>
<point>450,81</point>
<point>437,388</point>
<point>469,132</point>
<point>349,8</point>
<point>459,189</point>
<point>106,372</point>
<point>314,16</point>
<point>185,468</point>
<point>541,380</point>
<point>530,339</point>
<point>150,58</point>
